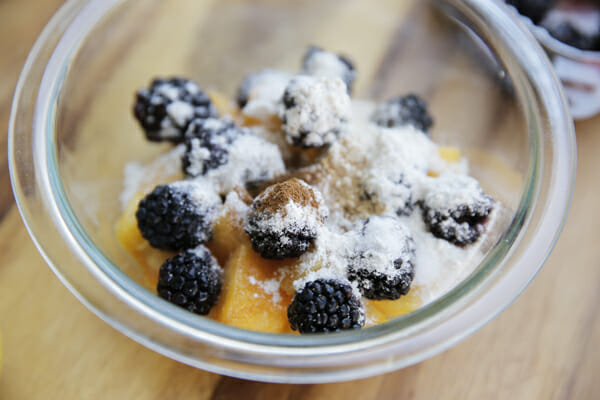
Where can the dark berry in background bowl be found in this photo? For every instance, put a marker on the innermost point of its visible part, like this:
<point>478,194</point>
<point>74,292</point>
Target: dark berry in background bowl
<point>569,31</point>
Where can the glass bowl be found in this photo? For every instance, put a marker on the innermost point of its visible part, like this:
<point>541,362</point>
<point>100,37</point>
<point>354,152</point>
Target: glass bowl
<point>490,86</point>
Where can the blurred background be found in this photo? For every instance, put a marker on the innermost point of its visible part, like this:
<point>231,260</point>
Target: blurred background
<point>544,346</point>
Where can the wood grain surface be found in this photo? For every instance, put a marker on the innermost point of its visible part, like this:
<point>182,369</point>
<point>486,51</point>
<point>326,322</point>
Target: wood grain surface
<point>544,346</point>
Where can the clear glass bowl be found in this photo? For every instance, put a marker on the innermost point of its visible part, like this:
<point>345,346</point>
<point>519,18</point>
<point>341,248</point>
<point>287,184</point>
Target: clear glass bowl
<point>490,86</point>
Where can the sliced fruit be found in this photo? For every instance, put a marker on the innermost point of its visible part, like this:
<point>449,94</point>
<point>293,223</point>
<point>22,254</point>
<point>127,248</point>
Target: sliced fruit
<point>395,308</point>
<point>250,297</point>
<point>227,236</point>
<point>223,104</point>
<point>450,153</point>
<point>373,315</point>
<point>128,234</point>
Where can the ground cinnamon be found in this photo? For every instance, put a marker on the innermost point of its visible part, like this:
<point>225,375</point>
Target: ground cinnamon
<point>280,194</point>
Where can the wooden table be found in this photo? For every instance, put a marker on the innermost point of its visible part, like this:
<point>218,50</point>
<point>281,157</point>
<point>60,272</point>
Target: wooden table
<point>545,346</point>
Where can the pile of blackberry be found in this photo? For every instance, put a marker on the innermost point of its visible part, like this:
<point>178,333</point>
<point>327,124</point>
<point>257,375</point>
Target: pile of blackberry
<point>315,110</point>
<point>166,108</point>
<point>403,110</point>
<point>373,281</point>
<point>271,234</point>
<point>400,198</point>
<point>191,280</point>
<point>171,218</point>
<point>462,223</point>
<point>268,79</point>
<point>206,145</point>
<point>174,217</point>
<point>318,62</point>
<point>325,306</point>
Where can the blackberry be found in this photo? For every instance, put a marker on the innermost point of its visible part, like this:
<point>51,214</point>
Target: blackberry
<point>191,280</point>
<point>325,306</point>
<point>384,264</point>
<point>166,108</point>
<point>318,62</point>
<point>267,86</point>
<point>391,192</point>
<point>455,209</point>
<point>178,216</point>
<point>284,220</point>
<point>403,110</point>
<point>206,145</point>
<point>315,110</point>
<point>534,9</point>
<point>568,34</point>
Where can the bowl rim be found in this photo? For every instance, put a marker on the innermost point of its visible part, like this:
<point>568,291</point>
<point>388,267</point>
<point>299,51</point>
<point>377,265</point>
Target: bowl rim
<point>311,350</point>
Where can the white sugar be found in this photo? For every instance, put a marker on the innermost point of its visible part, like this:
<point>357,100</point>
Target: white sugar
<point>202,252</point>
<point>234,207</point>
<point>327,259</point>
<point>250,159</point>
<point>276,137</point>
<point>270,287</point>
<point>139,177</point>
<point>214,124</point>
<point>450,191</point>
<point>201,191</point>
<point>200,155</point>
<point>205,199</point>
<point>192,88</point>
<point>320,111</point>
<point>168,130</point>
<point>324,63</point>
<point>382,241</point>
<point>440,265</point>
<point>263,91</point>
<point>169,91</point>
<point>180,112</point>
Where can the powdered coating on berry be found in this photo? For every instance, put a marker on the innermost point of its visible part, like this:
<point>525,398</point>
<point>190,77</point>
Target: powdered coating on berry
<point>389,191</point>
<point>315,110</point>
<point>403,110</point>
<point>260,93</point>
<point>455,208</point>
<point>384,261</point>
<point>318,62</point>
<point>284,220</point>
<point>325,306</point>
<point>191,280</point>
<point>167,107</point>
<point>229,156</point>
<point>179,215</point>
<point>207,145</point>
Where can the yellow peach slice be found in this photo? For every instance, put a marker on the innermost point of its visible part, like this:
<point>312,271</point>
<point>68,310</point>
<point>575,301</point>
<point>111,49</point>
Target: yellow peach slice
<point>250,298</point>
